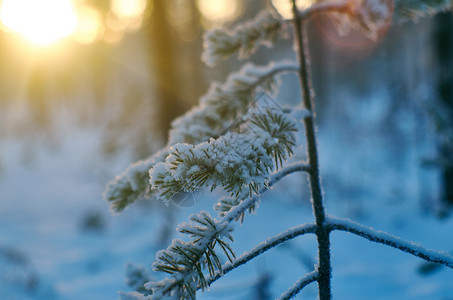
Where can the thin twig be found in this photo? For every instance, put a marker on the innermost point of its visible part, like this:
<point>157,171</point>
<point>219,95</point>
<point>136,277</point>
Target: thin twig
<point>299,285</point>
<point>263,247</point>
<point>381,237</point>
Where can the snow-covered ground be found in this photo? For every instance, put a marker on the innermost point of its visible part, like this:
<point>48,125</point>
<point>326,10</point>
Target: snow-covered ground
<point>58,239</point>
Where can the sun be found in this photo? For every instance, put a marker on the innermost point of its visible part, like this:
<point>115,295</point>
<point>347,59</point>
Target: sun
<point>41,22</point>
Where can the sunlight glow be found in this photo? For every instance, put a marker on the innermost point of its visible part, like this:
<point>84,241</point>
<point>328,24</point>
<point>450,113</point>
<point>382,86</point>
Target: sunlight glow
<point>41,22</point>
<point>284,7</point>
<point>89,25</point>
<point>219,10</point>
<point>128,8</point>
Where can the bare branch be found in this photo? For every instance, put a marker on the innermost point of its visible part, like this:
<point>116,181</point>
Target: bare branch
<point>299,285</point>
<point>263,247</point>
<point>381,237</point>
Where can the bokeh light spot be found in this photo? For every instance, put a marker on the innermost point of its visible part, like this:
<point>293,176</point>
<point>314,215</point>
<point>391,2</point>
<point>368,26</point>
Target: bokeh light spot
<point>89,25</point>
<point>219,11</point>
<point>128,8</point>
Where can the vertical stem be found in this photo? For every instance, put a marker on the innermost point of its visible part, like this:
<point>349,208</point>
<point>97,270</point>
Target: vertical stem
<point>322,233</point>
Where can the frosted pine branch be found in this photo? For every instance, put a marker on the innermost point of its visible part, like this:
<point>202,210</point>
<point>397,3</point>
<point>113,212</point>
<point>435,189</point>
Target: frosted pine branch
<point>380,237</point>
<point>243,39</point>
<point>299,285</point>
<point>185,260</point>
<point>263,247</point>
<point>187,272</point>
<point>224,104</point>
<point>217,111</point>
<point>133,184</point>
<point>240,162</point>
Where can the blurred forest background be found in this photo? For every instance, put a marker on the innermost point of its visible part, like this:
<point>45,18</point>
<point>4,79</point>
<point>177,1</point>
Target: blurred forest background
<point>128,67</point>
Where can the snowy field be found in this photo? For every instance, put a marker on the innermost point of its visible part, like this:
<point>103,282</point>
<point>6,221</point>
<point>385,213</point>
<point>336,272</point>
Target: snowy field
<point>58,239</point>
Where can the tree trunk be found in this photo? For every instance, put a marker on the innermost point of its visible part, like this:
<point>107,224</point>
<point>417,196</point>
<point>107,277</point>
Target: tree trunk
<point>163,68</point>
